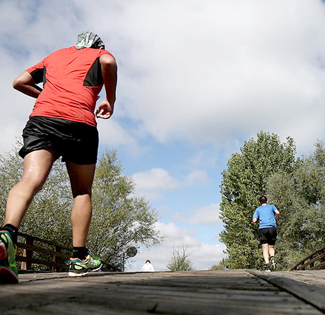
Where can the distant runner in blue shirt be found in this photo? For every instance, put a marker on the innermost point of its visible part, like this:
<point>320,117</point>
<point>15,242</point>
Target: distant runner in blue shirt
<point>268,216</point>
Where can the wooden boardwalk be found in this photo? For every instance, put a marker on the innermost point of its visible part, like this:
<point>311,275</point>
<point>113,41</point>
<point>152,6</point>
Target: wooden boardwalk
<point>198,292</point>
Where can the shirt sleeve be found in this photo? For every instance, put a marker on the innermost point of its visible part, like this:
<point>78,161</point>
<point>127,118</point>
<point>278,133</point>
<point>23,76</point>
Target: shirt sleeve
<point>38,72</point>
<point>104,52</point>
<point>255,215</point>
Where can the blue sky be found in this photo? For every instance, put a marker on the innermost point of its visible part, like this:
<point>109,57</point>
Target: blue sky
<point>196,79</point>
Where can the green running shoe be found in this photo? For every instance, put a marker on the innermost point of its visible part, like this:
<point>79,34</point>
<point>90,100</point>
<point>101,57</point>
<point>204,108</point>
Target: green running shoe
<point>79,268</point>
<point>273,264</point>
<point>8,269</point>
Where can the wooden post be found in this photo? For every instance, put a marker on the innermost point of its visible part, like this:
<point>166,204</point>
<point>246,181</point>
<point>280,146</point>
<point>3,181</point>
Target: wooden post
<point>55,258</point>
<point>28,254</point>
<point>23,263</point>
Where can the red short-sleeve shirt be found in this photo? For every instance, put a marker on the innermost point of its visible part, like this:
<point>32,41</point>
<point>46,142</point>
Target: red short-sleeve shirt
<point>72,81</point>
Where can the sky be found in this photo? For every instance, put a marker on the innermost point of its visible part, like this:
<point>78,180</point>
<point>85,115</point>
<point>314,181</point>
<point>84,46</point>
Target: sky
<point>196,79</point>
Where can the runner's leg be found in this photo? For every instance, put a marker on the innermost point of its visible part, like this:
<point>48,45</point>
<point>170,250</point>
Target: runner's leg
<point>37,166</point>
<point>265,249</point>
<point>271,250</point>
<point>81,178</point>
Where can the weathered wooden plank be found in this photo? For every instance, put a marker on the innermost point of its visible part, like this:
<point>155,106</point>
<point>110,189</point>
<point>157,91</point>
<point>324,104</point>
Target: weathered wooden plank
<point>308,276</point>
<point>200,292</point>
<point>310,293</point>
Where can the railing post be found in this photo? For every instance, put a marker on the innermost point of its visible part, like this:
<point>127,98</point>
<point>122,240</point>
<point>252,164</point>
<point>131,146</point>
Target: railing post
<point>23,265</point>
<point>26,265</point>
<point>58,250</point>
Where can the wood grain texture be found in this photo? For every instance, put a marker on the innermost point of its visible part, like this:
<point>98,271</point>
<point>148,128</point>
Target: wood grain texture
<point>196,292</point>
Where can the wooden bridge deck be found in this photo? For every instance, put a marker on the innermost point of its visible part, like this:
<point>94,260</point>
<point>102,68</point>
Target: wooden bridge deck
<point>199,292</point>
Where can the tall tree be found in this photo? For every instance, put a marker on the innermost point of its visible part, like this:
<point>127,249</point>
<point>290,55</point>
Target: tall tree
<point>301,198</point>
<point>244,180</point>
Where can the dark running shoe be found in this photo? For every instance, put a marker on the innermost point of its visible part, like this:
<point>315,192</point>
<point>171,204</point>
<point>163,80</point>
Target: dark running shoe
<point>267,268</point>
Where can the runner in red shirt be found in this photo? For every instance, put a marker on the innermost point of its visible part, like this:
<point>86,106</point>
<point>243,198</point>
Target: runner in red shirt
<point>72,81</point>
<point>62,124</point>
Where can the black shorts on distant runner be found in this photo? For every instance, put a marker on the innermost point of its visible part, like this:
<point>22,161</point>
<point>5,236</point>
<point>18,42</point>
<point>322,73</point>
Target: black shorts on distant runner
<point>75,142</point>
<point>268,235</point>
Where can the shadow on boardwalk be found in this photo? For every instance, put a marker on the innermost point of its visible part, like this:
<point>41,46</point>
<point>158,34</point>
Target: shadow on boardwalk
<point>197,292</point>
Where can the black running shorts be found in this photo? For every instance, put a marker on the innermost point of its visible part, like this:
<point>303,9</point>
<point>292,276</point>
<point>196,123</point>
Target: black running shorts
<point>268,235</point>
<point>75,142</point>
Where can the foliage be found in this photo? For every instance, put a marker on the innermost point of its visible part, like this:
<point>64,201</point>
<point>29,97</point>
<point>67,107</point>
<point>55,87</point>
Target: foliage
<point>119,219</point>
<point>301,198</point>
<point>222,265</point>
<point>180,261</point>
<point>242,183</point>
<point>295,186</point>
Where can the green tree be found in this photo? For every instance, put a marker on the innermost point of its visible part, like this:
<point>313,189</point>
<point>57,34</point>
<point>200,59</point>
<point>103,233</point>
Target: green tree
<point>244,180</point>
<point>180,261</point>
<point>301,200</point>
<point>119,218</point>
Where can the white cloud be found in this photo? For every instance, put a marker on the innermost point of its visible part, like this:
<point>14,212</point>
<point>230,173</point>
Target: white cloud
<point>113,135</point>
<point>154,182</point>
<point>205,216</point>
<point>221,68</point>
<point>199,72</point>
<point>196,176</point>
<point>155,179</point>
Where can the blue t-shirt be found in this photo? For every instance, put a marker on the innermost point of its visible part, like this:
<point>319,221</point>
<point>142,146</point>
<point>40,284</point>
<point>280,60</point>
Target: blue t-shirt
<point>266,216</point>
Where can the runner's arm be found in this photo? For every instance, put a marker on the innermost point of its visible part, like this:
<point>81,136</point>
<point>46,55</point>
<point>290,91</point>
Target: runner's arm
<point>26,84</point>
<point>109,73</point>
<point>255,216</point>
<point>277,215</point>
